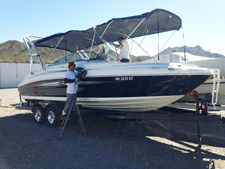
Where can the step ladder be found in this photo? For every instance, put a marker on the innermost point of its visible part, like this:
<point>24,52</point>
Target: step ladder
<point>215,88</point>
<point>64,122</point>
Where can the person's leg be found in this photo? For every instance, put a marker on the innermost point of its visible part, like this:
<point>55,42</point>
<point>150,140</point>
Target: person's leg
<point>70,99</point>
<point>65,110</point>
<point>69,102</point>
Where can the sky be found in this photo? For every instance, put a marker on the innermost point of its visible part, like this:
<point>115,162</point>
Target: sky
<point>203,21</point>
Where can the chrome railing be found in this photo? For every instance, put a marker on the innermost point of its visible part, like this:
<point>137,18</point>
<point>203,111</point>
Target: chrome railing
<point>29,44</point>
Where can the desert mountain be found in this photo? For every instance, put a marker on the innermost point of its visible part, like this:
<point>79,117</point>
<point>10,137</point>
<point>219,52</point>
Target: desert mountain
<point>15,51</point>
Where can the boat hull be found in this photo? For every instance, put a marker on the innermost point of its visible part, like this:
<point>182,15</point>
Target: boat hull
<point>117,93</point>
<point>205,88</point>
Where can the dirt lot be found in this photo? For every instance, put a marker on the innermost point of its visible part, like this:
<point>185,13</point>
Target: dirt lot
<point>108,143</point>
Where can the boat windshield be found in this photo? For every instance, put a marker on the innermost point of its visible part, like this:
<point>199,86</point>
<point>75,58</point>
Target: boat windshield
<point>97,53</point>
<point>72,57</point>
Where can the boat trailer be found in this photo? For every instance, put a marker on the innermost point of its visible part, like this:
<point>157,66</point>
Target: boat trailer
<point>200,115</point>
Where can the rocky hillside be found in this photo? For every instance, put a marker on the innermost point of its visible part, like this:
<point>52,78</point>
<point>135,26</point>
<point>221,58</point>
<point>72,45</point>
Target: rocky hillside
<point>197,50</point>
<point>14,51</point>
<point>11,51</point>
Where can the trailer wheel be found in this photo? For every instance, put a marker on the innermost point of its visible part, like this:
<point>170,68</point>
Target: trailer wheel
<point>52,117</point>
<point>38,113</point>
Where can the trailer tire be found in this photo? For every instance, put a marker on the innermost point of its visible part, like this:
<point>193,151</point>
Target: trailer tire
<point>38,113</point>
<point>52,117</point>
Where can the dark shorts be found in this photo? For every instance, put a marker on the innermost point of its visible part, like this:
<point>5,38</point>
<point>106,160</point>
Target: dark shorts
<point>70,99</point>
<point>125,60</point>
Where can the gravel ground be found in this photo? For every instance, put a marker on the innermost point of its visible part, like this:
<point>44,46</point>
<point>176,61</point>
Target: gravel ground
<point>108,143</point>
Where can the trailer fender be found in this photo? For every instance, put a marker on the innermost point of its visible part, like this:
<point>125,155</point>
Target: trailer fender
<point>45,105</point>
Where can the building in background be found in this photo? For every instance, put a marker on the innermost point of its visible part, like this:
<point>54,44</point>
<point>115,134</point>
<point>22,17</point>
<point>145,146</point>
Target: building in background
<point>12,74</point>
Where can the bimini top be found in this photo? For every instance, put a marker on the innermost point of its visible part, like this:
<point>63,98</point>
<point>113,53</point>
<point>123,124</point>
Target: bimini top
<point>156,21</point>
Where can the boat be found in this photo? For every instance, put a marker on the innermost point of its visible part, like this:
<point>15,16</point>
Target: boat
<point>108,84</point>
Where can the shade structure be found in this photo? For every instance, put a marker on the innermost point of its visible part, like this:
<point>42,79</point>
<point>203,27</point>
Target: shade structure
<point>156,21</point>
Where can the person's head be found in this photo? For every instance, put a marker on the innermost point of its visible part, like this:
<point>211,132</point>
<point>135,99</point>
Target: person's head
<point>71,66</point>
<point>120,40</point>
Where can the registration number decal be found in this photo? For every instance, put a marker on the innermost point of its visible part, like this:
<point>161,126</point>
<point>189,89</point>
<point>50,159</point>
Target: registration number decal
<point>124,78</point>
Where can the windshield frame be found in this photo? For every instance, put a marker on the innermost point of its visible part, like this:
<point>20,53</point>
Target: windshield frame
<point>80,56</point>
<point>71,57</point>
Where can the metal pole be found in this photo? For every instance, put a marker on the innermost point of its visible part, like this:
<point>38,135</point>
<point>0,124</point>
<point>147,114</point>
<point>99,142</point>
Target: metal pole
<point>91,45</point>
<point>158,32</point>
<point>199,134</point>
<point>135,29</point>
<point>56,45</point>
<point>80,119</point>
<point>184,45</point>
<point>107,28</point>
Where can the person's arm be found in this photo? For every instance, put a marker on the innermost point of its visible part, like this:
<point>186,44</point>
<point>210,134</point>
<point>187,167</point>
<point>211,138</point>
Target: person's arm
<point>118,46</point>
<point>69,80</point>
<point>77,76</point>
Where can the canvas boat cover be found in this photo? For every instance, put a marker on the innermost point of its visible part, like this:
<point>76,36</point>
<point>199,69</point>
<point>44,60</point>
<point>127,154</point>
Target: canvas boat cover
<point>156,21</point>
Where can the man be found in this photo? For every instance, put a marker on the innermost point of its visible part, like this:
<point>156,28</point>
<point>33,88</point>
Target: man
<point>71,81</point>
<point>124,49</point>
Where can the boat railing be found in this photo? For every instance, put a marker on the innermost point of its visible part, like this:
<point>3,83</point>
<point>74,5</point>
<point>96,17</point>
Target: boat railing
<point>216,84</point>
<point>33,53</point>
